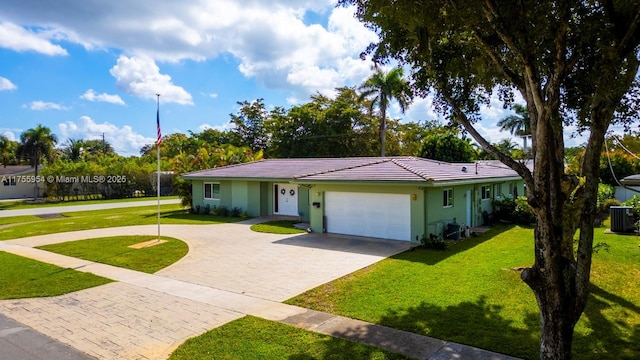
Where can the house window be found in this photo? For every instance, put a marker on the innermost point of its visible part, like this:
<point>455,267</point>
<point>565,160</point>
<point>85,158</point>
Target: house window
<point>497,190</point>
<point>211,191</point>
<point>447,198</point>
<point>513,190</point>
<point>486,192</point>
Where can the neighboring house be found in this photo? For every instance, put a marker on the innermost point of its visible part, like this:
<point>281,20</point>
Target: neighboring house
<point>401,198</point>
<point>18,182</point>
<point>631,187</point>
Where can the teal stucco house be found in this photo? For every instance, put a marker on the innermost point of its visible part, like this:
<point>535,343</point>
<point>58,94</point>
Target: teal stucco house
<point>400,198</point>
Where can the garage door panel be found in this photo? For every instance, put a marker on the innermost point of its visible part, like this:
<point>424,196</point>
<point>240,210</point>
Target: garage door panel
<point>367,214</point>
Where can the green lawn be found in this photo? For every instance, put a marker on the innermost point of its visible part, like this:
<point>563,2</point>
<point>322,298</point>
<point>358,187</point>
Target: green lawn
<point>116,251</point>
<point>277,227</point>
<point>84,220</point>
<point>23,204</point>
<point>470,294</point>
<point>255,338</point>
<point>23,278</point>
<point>18,219</point>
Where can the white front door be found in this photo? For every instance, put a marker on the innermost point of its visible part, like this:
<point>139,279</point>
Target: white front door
<point>285,200</point>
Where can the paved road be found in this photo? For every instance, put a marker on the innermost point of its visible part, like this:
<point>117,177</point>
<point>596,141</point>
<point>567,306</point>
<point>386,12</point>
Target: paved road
<point>19,342</point>
<point>73,208</point>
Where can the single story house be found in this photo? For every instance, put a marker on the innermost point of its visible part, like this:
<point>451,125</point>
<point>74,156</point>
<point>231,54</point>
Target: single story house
<point>401,198</point>
<point>630,187</point>
<point>18,182</point>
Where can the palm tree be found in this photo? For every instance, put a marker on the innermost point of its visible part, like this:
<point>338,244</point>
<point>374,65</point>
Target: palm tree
<point>518,124</point>
<point>506,146</point>
<point>381,88</point>
<point>73,149</point>
<point>34,144</point>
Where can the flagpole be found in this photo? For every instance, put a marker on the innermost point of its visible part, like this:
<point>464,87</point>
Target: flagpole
<point>158,143</point>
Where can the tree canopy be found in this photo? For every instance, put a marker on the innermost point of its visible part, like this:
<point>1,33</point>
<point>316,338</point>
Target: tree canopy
<point>574,63</point>
<point>447,146</point>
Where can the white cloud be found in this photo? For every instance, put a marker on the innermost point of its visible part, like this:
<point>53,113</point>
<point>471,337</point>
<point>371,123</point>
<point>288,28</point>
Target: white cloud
<point>210,95</point>
<point>281,51</point>
<point>19,39</point>
<point>140,76</point>
<point>421,109</point>
<point>42,105</point>
<point>269,38</point>
<point>224,127</point>
<point>6,84</point>
<point>10,134</point>
<point>91,95</point>
<point>124,140</point>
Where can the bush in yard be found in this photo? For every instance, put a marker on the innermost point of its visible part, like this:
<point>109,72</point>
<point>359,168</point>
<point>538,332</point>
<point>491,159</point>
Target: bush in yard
<point>220,211</point>
<point>605,200</point>
<point>504,209</point>
<point>235,212</point>
<point>634,202</point>
<point>433,242</point>
<point>607,204</point>
<point>207,209</point>
<point>523,214</point>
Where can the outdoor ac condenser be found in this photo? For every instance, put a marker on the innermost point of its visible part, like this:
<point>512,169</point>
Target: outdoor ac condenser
<point>622,219</point>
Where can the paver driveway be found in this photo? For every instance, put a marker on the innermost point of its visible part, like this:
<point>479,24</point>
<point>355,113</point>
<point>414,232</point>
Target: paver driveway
<point>229,270</point>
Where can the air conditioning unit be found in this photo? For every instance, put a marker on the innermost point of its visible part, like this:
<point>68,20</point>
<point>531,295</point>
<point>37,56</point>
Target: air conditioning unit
<point>622,219</point>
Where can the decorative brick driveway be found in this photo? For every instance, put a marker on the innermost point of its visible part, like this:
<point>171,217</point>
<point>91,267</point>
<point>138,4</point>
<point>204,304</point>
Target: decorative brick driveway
<point>230,271</point>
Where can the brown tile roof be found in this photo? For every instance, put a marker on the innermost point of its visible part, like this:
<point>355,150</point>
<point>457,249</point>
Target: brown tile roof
<point>387,169</point>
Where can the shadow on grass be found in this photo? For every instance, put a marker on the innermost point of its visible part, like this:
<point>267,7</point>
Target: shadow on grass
<point>619,339</point>
<point>482,325</point>
<point>479,324</point>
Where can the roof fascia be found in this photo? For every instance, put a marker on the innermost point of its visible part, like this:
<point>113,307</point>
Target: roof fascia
<point>474,181</point>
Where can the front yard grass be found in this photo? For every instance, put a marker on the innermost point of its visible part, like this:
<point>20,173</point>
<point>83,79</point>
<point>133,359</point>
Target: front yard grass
<point>278,227</point>
<point>85,220</point>
<point>255,338</point>
<point>473,295</point>
<point>116,251</point>
<point>23,278</point>
<point>18,219</point>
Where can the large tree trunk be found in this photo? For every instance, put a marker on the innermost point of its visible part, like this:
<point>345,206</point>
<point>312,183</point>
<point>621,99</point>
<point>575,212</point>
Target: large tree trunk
<point>554,291</point>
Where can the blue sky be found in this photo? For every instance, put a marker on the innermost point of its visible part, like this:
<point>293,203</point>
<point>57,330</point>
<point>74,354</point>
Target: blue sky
<point>89,67</point>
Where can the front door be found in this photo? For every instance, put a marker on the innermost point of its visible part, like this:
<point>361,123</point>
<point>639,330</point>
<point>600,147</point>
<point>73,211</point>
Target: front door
<point>285,200</point>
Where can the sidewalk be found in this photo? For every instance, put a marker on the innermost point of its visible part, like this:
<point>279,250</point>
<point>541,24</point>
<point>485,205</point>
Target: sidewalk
<point>73,208</point>
<point>207,307</point>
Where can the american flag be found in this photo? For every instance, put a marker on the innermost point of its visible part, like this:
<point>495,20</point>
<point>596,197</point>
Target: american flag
<point>159,141</point>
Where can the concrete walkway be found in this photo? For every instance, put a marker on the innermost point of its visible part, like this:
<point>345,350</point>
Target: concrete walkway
<point>146,316</point>
<point>73,208</point>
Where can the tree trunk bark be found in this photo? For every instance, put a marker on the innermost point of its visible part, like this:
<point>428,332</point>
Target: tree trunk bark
<point>555,304</point>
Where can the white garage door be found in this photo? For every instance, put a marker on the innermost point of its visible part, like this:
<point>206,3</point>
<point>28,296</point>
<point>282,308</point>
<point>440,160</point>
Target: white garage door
<point>385,216</point>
